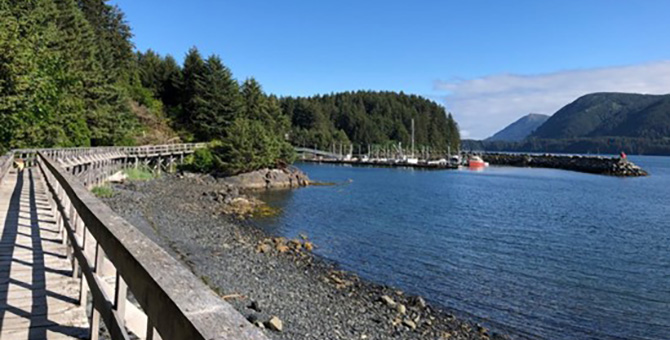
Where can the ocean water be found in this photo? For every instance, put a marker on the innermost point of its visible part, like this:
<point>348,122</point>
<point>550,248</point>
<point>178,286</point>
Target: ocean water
<point>538,253</point>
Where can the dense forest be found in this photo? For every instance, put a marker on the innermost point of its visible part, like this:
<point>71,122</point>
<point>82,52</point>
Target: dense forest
<point>66,74</point>
<point>70,76</point>
<point>365,117</point>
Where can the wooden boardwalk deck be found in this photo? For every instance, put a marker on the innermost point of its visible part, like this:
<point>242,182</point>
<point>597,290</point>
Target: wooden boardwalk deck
<point>39,299</point>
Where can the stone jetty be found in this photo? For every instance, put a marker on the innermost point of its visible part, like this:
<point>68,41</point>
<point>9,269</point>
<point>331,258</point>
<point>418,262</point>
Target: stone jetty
<point>611,166</point>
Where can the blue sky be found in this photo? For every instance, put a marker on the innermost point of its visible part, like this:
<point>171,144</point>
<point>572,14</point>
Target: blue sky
<point>488,62</point>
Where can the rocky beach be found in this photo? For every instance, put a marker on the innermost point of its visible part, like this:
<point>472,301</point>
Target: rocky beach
<point>277,284</point>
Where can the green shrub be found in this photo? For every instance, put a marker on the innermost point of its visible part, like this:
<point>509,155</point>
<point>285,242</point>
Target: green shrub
<point>202,160</point>
<point>103,191</point>
<point>139,174</point>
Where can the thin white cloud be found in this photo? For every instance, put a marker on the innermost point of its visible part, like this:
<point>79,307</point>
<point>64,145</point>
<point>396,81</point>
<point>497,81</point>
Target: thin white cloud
<point>482,106</point>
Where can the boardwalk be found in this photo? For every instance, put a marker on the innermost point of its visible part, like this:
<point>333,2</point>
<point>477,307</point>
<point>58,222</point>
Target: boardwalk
<point>39,299</point>
<point>104,261</point>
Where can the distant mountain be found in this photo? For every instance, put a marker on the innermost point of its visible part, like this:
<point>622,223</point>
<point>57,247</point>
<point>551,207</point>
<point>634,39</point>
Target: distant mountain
<point>610,115</point>
<point>520,129</point>
<point>597,123</point>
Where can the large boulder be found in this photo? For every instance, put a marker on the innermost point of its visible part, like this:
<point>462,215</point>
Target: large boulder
<point>249,180</point>
<point>290,177</point>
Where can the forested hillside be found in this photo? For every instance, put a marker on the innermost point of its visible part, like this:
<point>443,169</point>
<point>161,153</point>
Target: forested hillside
<point>70,76</point>
<point>66,74</point>
<point>610,115</point>
<point>367,117</point>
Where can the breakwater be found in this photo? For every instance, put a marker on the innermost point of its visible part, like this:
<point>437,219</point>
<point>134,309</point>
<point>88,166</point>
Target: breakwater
<point>611,166</point>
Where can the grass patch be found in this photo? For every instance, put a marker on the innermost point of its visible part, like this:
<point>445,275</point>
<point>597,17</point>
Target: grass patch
<point>139,174</point>
<point>103,191</point>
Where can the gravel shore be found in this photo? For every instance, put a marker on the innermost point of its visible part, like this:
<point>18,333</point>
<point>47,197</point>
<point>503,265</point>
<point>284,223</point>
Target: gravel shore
<point>311,297</point>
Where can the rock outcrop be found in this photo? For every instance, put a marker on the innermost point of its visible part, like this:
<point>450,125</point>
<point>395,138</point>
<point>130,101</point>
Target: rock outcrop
<point>290,177</point>
<point>236,193</point>
<point>612,166</point>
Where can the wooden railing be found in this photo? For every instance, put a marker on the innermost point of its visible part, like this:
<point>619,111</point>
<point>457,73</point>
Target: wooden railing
<point>102,245</point>
<point>6,164</point>
<point>133,151</point>
<point>93,166</point>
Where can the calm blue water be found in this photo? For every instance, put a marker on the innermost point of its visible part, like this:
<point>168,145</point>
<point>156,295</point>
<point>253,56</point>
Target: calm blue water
<point>545,253</point>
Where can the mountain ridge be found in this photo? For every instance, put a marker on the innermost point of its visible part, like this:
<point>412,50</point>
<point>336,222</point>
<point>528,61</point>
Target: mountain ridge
<point>609,114</point>
<point>602,122</point>
<point>520,129</point>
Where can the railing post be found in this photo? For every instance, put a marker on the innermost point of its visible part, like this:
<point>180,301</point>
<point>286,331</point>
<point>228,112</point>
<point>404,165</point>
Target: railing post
<point>95,323</point>
<point>120,296</point>
<point>74,221</point>
<point>151,331</point>
<point>95,314</point>
<point>83,284</point>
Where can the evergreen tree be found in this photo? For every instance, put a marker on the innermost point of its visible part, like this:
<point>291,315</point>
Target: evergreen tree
<point>39,100</point>
<point>193,89</point>
<point>150,71</point>
<point>255,103</point>
<point>113,38</point>
<point>172,82</point>
<point>221,98</point>
<point>248,146</point>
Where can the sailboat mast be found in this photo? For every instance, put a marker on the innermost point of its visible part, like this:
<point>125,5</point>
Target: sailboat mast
<point>412,137</point>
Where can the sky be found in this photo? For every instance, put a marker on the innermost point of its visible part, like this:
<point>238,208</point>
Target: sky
<point>487,62</point>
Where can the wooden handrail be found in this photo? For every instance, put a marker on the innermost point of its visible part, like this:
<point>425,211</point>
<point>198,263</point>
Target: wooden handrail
<point>6,164</point>
<point>178,305</point>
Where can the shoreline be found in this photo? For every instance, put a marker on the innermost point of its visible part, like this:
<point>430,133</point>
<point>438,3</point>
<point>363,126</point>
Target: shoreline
<point>311,295</point>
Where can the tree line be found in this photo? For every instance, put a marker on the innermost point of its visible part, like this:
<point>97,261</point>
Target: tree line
<point>246,127</point>
<point>70,76</point>
<point>365,118</point>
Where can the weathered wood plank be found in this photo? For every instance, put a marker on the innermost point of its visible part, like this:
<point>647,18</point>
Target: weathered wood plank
<point>176,302</point>
<point>38,296</point>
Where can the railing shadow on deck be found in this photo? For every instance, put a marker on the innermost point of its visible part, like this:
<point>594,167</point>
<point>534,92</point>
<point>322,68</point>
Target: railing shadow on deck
<point>9,234</point>
<point>36,312</point>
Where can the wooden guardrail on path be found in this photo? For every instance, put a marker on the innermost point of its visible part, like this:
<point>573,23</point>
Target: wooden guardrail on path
<point>177,304</point>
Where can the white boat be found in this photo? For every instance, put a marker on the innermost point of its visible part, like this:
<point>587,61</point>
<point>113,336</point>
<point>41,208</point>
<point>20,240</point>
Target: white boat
<point>441,161</point>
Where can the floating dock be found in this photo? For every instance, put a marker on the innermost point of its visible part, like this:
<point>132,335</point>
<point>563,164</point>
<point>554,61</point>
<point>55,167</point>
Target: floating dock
<point>387,163</point>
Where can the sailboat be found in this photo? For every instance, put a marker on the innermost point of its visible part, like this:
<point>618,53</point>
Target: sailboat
<point>412,159</point>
